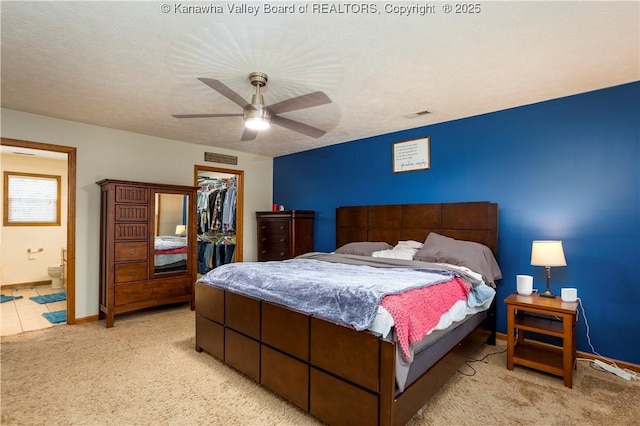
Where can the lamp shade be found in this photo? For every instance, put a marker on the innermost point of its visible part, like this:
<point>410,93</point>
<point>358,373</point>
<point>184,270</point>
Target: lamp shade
<point>180,229</point>
<point>547,253</point>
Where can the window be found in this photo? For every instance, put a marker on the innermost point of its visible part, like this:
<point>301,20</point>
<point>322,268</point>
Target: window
<point>31,199</point>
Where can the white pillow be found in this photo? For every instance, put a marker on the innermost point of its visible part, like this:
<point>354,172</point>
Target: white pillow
<point>395,254</point>
<point>403,250</point>
<point>410,244</point>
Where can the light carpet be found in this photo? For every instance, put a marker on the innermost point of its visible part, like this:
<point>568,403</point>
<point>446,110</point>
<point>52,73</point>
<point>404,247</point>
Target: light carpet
<point>145,371</point>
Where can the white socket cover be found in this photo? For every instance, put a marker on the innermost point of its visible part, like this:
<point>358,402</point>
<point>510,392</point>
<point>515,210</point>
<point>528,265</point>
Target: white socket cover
<point>569,294</point>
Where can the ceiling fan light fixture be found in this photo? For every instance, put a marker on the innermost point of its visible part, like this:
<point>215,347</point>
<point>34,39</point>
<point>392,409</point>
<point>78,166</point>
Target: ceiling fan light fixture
<point>257,117</point>
<point>257,123</point>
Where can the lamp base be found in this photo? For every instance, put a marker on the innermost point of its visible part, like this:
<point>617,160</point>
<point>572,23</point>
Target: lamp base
<point>547,293</point>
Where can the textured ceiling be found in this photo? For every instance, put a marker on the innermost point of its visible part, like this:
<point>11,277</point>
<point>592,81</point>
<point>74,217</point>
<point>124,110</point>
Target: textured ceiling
<point>130,65</point>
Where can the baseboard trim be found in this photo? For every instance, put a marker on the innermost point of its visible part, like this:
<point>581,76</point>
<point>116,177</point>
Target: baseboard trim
<point>20,285</point>
<point>587,355</point>
<point>86,319</point>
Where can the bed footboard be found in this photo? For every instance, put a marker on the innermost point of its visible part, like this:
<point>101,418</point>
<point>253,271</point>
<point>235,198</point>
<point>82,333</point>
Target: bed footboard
<point>337,374</point>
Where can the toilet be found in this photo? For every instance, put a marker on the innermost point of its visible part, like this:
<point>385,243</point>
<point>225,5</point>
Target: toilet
<point>55,272</point>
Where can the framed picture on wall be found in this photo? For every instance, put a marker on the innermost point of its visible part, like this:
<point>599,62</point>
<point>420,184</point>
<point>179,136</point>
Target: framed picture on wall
<point>411,155</point>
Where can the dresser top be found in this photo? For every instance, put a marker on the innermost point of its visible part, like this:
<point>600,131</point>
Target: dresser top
<point>106,182</point>
<point>286,214</point>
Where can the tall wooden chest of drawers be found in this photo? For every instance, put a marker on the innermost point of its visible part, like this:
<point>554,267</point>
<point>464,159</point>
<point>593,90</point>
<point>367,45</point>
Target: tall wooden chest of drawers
<point>137,270</point>
<point>284,234</point>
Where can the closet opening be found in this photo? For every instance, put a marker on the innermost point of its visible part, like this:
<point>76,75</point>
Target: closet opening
<point>219,213</point>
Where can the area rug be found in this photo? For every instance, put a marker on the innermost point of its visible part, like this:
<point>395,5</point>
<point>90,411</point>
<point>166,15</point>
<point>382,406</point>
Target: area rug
<point>56,317</point>
<point>4,298</point>
<point>49,298</point>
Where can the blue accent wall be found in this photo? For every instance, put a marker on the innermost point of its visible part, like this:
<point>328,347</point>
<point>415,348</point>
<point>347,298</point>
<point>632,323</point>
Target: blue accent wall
<point>566,169</point>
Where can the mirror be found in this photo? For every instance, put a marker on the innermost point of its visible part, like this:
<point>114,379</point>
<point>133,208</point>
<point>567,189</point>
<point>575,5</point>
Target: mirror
<point>171,225</point>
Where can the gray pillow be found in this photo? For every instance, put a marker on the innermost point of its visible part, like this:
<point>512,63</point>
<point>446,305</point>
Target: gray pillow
<point>475,256</point>
<point>363,248</point>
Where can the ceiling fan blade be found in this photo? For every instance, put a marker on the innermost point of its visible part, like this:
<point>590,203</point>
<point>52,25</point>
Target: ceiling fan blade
<point>205,115</point>
<point>297,126</point>
<point>248,134</point>
<point>300,102</point>
<point>225,91</point>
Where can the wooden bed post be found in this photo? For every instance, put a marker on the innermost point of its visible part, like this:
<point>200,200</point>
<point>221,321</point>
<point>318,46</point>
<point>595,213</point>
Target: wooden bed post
<point>491,322</point>
<point>387,382</point>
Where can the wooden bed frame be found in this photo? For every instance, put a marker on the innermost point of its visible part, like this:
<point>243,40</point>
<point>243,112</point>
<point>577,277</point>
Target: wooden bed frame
<point>339,375</point>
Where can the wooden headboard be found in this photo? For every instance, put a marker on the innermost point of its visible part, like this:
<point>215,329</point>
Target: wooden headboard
<point>471,221</point>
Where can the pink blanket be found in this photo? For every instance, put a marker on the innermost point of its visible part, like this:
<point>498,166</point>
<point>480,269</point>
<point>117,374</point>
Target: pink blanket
<point>178,250</point>
<point>417,311</point>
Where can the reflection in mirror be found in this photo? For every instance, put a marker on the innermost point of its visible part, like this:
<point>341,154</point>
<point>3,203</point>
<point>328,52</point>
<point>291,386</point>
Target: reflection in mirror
<point>171,233</point>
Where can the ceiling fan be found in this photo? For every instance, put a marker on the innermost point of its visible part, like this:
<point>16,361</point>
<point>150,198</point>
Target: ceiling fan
<point>257,116</point>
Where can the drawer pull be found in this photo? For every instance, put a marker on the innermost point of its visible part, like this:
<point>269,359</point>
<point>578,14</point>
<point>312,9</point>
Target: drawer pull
<point>281,254</point>
<point>282,240</point>
<point>264,239</point>
<point>281,227</point>
<point>132,272</point>
<point>264,251</point>
<point>132,251</point>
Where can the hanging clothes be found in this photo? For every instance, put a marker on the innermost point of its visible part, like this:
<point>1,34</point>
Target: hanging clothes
<point>215,251</point>
<point>229,210</point>
<point>216,210</point>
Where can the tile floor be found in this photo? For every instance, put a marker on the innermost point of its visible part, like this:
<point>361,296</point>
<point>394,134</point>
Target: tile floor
<point>24,314</point>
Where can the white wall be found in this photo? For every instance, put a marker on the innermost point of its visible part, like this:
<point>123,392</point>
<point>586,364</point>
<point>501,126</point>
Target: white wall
<point>17,266</point>
<point>169,213</point>
<point>107,153</point>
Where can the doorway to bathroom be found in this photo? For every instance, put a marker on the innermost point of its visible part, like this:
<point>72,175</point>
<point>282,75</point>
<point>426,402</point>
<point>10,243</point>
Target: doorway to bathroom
<point>219,216</point>
<point>65,258</point>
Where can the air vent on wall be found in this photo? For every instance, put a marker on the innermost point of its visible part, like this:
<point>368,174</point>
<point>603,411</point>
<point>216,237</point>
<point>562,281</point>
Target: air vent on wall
<point>417,114</point>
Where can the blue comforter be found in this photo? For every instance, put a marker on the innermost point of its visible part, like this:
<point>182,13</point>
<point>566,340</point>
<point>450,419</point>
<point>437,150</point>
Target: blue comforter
<point>346,293</point>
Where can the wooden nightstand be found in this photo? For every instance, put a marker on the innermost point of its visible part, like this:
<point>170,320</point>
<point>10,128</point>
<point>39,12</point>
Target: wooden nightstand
<point>551,317</point>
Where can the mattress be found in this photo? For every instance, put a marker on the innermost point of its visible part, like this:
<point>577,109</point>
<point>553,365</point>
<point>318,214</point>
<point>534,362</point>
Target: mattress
<point>433,347</point>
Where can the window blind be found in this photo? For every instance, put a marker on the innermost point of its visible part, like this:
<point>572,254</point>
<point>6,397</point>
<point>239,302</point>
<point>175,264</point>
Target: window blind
<point>32,199</point>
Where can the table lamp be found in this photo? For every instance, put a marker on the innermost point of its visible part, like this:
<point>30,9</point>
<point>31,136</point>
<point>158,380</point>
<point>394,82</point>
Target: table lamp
<point>547,254</point>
